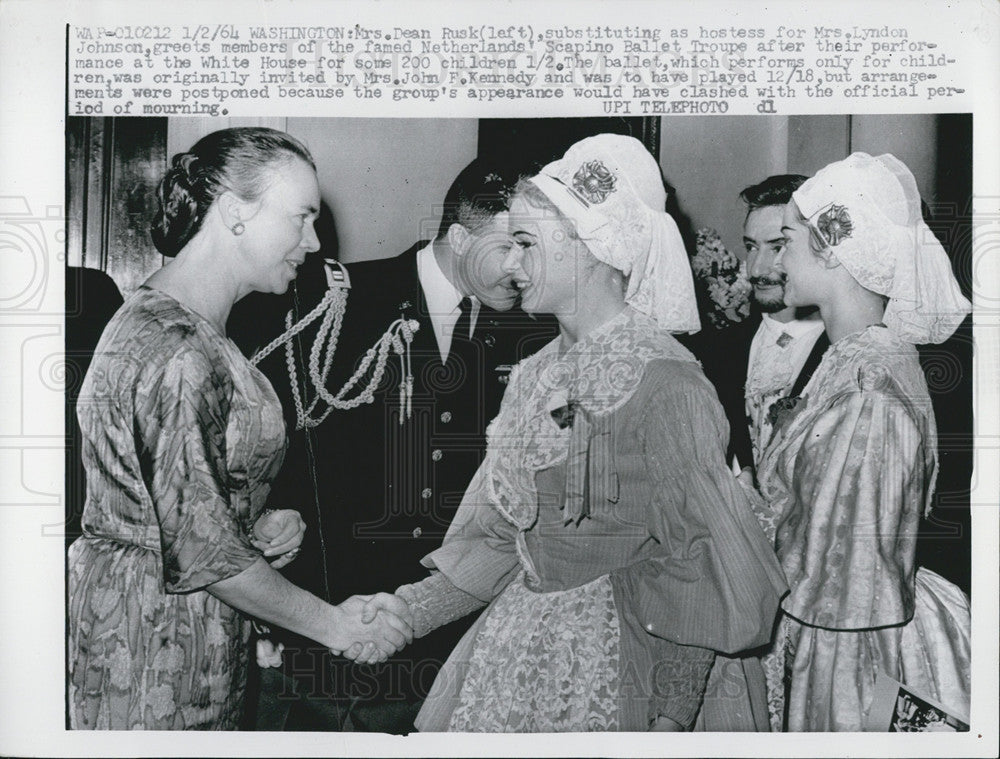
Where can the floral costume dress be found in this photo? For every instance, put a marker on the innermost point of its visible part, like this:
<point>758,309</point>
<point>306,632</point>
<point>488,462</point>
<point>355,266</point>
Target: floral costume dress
<point>181,439</point>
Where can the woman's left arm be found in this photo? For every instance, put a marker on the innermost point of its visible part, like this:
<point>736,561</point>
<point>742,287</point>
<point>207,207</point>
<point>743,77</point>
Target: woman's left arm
<point>715,582</point>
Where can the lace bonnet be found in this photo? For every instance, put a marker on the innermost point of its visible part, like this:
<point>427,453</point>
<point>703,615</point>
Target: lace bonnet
<point>610,188</point>
<point>867,210</point>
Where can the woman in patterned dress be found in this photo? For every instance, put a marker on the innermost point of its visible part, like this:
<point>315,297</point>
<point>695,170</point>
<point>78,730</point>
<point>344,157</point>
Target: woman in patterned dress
<point>614,547</point>
<point>851,466</point>
<point>182,437</point>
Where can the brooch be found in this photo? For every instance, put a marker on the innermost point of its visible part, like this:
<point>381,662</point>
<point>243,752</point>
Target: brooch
<point>835,224</point>
<point>594,181</point>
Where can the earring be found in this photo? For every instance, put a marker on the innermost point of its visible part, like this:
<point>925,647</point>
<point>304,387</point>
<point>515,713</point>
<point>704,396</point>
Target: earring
<point>237,228</point>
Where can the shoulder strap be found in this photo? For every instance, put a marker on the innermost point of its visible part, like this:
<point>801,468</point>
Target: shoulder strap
<point>336,274</point>
<point>812,361</point>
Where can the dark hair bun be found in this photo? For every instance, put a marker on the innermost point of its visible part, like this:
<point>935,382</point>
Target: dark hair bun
<point>178,217</point>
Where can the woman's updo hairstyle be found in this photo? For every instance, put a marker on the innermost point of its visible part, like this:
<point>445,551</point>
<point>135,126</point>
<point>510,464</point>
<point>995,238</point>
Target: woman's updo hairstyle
<point>233,159</point>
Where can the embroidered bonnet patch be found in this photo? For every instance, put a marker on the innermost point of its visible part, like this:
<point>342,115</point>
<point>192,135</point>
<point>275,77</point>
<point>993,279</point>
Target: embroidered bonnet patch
<point>594,181</point>
<point>835,224</point>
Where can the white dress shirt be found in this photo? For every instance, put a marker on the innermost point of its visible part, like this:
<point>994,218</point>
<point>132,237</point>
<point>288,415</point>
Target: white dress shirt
<point>443,300</point>
<point>777,354</point>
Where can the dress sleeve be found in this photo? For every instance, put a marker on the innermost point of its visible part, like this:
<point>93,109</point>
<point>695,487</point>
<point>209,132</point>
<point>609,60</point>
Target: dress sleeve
<point>715,582</point>
<point>435,601</point>
<point>479,554</point>
<point>180,422</point>
<point>859,486</point>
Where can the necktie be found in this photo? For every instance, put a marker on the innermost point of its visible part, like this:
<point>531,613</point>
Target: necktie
<point>464,320</point>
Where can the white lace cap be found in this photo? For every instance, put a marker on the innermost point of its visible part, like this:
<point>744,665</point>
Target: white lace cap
<point>867,210</point>
<point>610,188</point>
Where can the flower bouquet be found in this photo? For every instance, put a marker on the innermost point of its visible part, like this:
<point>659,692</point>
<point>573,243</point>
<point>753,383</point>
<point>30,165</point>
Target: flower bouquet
<point>723,278</point>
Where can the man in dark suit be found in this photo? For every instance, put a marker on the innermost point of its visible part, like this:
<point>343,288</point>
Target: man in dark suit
<point>772,354</point>
<point>379,484</point>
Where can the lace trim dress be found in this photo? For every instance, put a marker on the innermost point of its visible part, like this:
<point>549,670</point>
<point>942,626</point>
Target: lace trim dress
<point>615,547</point>
<point>181,439</point>
<point>846,478</point>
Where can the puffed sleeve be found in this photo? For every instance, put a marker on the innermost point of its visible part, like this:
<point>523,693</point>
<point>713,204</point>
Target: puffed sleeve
<point>715,582</point>
<point>859,486</point>
<point>180,424</point>
<point>478,555</point>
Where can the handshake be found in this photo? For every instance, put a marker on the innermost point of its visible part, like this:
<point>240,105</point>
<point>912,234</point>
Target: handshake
<point>372,628</point>
<point>365,629</point>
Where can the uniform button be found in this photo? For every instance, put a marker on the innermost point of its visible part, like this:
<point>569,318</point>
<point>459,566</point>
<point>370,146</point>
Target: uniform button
<point>446,417</point>
<point>426,493</point>
<point>490,341</point>
<point>436,454</point>
<point>417,532</point>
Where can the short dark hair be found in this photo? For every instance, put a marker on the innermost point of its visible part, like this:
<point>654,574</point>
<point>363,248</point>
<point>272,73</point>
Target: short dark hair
<point>232,159</point>
<point>480,191</point>
<point>773,191</point>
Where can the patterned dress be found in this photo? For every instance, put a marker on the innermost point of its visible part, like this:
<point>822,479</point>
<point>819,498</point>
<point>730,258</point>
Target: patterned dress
<point>181,439</point>
<point>617,550</point>
<point>848,473</point>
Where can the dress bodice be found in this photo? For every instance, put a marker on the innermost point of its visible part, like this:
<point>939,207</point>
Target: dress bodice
<point>168,397</point>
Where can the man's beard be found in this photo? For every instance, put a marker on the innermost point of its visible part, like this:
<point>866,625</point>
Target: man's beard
<point>769,304</point>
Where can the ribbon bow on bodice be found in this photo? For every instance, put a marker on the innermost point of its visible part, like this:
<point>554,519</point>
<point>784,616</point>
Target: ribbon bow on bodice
<point>591,477</point>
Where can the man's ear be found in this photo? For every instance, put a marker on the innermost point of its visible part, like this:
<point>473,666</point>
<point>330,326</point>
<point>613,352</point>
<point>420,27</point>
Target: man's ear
<point>458,237</point>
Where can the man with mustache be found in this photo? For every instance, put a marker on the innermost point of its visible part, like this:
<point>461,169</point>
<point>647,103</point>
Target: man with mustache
<point>789,342</point>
